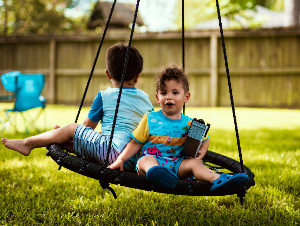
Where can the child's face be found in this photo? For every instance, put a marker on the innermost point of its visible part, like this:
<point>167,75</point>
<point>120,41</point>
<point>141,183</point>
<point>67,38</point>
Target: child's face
<point>171,99</point>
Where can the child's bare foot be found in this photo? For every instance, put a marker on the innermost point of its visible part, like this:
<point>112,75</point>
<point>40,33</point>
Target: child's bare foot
<point>17,145</point>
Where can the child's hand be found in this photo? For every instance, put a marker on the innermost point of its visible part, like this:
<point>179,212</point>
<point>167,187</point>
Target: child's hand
<point>203,149</point>
<point>199,154</point>
<point>118,164</point>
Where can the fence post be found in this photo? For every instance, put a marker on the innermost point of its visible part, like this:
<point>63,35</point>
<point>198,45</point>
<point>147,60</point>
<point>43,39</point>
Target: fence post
<point>51,88</point>
<point>213,70</point>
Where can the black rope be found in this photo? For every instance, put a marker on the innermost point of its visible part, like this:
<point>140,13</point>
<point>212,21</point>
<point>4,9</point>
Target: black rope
<point>230,92</point>
<point>182,40</point>
<point>96,58</point>
<point>182,43</point>
<point>122,82</point>
<point>105,185</point>
<point>230,89</point>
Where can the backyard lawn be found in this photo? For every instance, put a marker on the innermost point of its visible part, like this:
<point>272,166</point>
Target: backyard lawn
<point>34,192</point>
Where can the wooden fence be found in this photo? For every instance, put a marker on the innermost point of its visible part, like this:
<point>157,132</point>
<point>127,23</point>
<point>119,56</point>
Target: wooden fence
<point>264,65</point>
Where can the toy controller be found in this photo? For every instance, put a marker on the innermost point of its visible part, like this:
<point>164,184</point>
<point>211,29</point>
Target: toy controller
<point>196,133</point>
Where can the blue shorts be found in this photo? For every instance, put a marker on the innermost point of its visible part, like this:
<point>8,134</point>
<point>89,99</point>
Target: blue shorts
<point>93,146</point>
<point>171,164</point>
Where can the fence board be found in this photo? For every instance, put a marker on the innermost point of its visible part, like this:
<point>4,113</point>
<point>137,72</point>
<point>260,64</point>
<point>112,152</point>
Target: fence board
<point>264,65</point>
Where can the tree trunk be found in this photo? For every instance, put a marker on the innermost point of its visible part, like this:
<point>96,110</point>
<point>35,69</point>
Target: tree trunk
<point>5,18</point>
<point>292,8</point>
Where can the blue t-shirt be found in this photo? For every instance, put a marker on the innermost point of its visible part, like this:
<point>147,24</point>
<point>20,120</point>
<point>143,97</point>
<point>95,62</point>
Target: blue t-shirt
<point>133,105</point>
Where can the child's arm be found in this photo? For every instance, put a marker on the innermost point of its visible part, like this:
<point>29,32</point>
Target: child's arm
<point>203,149</point>
<point>130,150</point>
<point>89,123</point>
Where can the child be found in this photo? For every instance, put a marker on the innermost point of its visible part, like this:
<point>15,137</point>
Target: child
<point>88,143</point>
<point>162,135</point>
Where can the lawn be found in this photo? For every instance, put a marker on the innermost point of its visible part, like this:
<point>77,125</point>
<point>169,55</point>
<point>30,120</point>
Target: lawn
<point>34,192</point>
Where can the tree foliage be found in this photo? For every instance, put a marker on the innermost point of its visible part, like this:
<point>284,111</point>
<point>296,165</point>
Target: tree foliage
<point>22,17</point>
<point>198,11</point>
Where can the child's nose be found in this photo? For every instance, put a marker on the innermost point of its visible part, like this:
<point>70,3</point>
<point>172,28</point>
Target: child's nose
<point>169,97</point>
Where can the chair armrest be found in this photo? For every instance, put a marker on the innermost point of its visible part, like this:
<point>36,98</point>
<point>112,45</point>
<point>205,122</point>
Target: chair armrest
<point>7,97</point>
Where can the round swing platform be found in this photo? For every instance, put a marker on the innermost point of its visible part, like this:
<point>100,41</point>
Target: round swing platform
<point>132,180</point>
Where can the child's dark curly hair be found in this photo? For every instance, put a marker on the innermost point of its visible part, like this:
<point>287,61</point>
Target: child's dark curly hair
<point>172,72</point>
<point>115,59</point>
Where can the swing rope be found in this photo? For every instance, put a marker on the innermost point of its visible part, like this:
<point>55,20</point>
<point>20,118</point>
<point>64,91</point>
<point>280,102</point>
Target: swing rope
<point>182,43</point>
<point>122,81</point>
<point>96,58</point>
<point>231,96</point>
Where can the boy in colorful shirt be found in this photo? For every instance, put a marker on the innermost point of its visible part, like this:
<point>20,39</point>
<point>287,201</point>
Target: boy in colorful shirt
<point>162,136</point>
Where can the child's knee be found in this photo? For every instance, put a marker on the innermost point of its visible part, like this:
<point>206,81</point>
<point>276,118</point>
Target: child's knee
<point>191,164</point>
<point>192,161</point>
<point>147,159</point>
<point>71,128</point>
<point>145,163</point>
<point>196,161</point>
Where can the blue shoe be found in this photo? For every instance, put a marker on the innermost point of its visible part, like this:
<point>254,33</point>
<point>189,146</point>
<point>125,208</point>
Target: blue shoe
<point>228,182</point>
<point>161,175</point>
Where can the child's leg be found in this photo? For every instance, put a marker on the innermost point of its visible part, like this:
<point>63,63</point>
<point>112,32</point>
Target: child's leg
<point>149,166</point>
<point>195,167</point>
<point>24,146</point>
<point>224,183</point>
<point>145,163</point>
<point>66,145</point>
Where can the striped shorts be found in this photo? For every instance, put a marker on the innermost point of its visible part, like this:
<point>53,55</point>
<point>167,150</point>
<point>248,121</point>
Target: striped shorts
<point>93,146</point>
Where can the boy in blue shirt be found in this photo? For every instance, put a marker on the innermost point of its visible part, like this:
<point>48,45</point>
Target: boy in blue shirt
<point>87,142</point>
<point>161,136</point>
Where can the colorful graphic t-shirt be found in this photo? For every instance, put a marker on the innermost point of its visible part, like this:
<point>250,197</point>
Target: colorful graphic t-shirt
<point>162,136</point>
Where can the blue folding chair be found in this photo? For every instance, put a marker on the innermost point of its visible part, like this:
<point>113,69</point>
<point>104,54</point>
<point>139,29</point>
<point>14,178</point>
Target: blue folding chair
<point>27,89</point>
<point>8,81</point>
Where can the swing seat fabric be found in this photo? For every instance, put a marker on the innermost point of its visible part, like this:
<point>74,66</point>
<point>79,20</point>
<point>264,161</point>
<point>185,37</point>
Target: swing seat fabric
<point>132,180</point>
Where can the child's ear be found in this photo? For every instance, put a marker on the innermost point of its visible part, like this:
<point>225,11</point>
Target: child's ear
<point>136,78</point>
<point>187,97</point>
<point>157,99</point>
<point>107,74</point>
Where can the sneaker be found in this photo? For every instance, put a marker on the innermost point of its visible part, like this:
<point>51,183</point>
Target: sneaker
<point>227,182</point>
<point>161,175</point>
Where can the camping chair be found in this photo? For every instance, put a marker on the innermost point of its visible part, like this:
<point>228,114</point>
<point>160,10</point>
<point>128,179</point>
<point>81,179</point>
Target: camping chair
<point>8,82</point>
<point>28,88</point>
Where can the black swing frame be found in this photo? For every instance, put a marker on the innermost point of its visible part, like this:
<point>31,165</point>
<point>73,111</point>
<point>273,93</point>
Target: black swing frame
<point>132,180</point>
<point>184,187</point>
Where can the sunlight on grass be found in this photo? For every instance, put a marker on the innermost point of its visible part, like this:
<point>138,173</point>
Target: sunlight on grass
<point>247,118</point>
<point>34,192</point>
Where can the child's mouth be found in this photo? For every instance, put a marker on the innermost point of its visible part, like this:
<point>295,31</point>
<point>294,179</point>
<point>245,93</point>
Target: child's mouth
<point>169,104</point>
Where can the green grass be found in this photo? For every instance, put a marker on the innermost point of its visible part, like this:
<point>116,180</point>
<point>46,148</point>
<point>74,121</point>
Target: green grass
<point>34,192</point>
